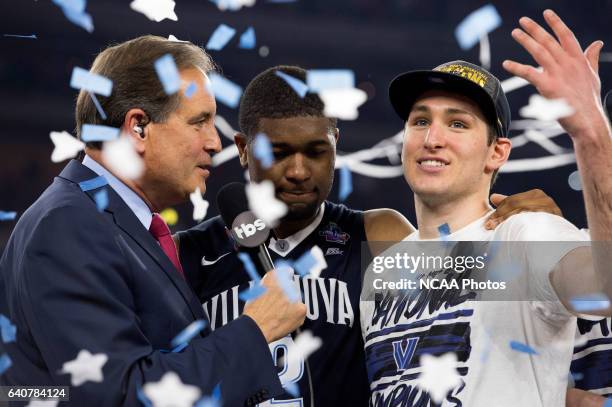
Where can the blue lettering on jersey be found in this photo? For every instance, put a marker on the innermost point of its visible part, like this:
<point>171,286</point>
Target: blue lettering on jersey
<point>403,356</point>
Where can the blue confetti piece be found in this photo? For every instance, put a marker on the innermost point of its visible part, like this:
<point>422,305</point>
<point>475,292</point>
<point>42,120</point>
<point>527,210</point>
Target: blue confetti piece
<point>190,90</point>
<point>74,11</point>
<point>285,281</point>
<point>5,363</point>
<point>101,198</point>
<point>31,37</point>
<point>247,39</point>
<point>78,6</point>
<point>304,264</point>
<point>8,331</point>
<point>477,24</point>
<point>444,231</point>
<point>225,91</point>
<point>249,267</point>
<point>608,402</point>
<point>142,397</point>
<point>297,85</point>
<point>521,347</point>
<point>292,388</point>
<point>93,183</point>
<point>262,150</point>
<point>220,37</point>
<point>322,79</point>
<point>590,302</point>
<point>214,400</point>
<point>96,132</point>
<point>252,293</point>
<point>90,82</point>
<point>7,215</point>
<point>190,332</point>
<point>98,106</point>
<point>168,74</point>
<point>346,183</point>
<point>576,376</point>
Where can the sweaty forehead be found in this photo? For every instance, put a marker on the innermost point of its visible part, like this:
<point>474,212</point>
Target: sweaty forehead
<point>295,130</point>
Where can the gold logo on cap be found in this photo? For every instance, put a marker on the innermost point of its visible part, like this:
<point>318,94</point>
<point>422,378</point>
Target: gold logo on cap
<point>466,72</point>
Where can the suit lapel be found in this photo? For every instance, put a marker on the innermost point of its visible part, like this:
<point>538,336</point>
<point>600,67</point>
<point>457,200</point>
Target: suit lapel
<point>127,221</point>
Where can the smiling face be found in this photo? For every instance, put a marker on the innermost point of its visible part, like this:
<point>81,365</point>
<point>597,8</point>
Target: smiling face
<point>177,153</point>
<point>304,155</point>
<point>445,153</point>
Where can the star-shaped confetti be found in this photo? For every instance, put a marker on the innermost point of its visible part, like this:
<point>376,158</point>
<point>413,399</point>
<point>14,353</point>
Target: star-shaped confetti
<point>8,331</point>
<point>170,391</point>
<point>264,204</point>
<point>85,368</point>
<point>439,375</point>
<point>304,345</point>
<point>155,10</point>
<point>122,159</point>
<point>540,108</point>
<point>200,205</point>
<point>342,103</point>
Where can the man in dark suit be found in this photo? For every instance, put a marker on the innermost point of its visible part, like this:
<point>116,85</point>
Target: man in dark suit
<point>97,296</point>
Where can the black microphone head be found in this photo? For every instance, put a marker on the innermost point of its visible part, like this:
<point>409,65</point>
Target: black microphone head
<point>246,229</point>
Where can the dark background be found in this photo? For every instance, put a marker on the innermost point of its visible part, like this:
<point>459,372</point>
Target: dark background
<point>376,39</point>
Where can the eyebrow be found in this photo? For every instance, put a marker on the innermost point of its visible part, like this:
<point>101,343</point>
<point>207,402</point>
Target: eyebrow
<point>450,110</point>
<point>310,144</point>
<point>199,117</point>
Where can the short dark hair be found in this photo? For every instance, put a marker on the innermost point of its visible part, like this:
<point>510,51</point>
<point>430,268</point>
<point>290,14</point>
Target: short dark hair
<point>491,137</point>
<point>269,96</point>
<point>135,83</point>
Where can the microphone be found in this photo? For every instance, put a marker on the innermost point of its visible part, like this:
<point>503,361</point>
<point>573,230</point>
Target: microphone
<point>249,232</point>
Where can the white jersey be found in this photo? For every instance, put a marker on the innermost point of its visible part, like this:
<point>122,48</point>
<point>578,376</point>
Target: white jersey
<point>479,333</point>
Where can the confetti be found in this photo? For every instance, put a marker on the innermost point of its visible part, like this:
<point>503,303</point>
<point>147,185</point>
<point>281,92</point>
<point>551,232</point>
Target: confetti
<point>220,37</point>
<point>590,302</point>
<point>191,89</point>
<point>173,38</point>
<point>540,108</point>
<point>155,10</point>
<point>249,267</point>
<point>325,79</point>
<point>439,375</point>
<point>121,158</point>
<point>31,37</point>
<point>142,398</point>
<point>168,74</point>
<point>101,112</point>
<point>95,132</point>
<point>214,400</point>
<point>88,81</point>
<point>5,363</point>
<point>233,5</point>
<point>42,403</point>
<point>477,24</point>
<point>65,146</point>
<point>4,215</point>
<point>8,331</point>
<point>346,183</point>
<point>608,402</point>
<point>74,11</point>
<point>574,181</point>
<point>93,183</point>
<point>262,150</point>
<point>225,91</point>
<point>187,334</point>
<point>311,263</point>
<point>85,368</point>
<point>304,345</point>
<point>444,231</point>
<point>521,347</point>
<point>297,85</point>
<point>263,202</point>
<point>292,388</point>
<point>170,216</point>
<point>285,281</point>
<point>200,205</point>
<point>171,391</point>
<point>343,103</point>
<point>252,293</point>
<point>101,198</point>
<point>247,39</point>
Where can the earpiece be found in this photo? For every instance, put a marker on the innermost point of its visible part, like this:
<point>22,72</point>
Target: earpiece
<point>138,129</point>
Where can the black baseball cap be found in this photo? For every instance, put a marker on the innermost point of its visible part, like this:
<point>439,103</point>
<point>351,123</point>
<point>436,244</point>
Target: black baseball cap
<point>461,77</point>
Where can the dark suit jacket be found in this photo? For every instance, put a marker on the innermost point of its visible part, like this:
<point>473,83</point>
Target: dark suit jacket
<point>73,278</point>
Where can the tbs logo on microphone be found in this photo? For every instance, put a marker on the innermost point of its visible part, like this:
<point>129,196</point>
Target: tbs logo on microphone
<point>248,230</point>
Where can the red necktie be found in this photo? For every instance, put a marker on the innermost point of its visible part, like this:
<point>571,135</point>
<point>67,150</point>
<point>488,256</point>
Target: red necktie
<point>161,233</point>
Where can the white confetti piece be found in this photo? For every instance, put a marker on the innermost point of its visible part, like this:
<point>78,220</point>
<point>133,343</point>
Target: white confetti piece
<point>264,204</point>
<point>170,391</point>
<point>122,159</point>
<point>343,103</point>
<point>540,108</point>
<point>65,146</point>
<point>155,10</point>
<point>85,368</point>
<point>200,205</point>
<point>304,345</point>
<point>439,375</point>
